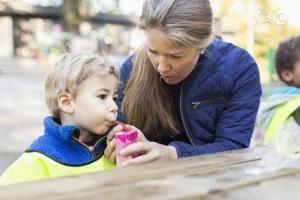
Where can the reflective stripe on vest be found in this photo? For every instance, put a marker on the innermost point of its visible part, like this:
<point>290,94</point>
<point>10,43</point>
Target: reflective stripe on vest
<point>280,116</point>
<point>35,166</point>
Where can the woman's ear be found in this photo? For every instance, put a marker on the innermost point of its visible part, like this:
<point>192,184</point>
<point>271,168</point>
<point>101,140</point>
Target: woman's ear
<point>287,75</point>
<point>65,103</point>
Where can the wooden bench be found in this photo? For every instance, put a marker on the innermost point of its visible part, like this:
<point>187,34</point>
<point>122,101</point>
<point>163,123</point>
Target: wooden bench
<point>212,176</point>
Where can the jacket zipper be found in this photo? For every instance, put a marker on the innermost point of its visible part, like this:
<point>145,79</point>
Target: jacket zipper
<point>180,108</point>
<point>90,149</point>
<point>196,104</point>
<point>183,121</point>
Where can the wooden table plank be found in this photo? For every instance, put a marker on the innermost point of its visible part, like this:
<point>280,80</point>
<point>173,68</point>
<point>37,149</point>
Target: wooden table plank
<point>195,177</point>
<point>200,185</point>
<point>286,188</point>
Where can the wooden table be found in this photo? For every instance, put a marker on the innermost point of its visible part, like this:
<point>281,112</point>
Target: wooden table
<point>212,176</point>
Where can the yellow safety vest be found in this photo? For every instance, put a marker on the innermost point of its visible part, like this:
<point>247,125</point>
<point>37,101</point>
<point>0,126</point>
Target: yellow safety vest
<point>280,116</point>
<point>36,166</point>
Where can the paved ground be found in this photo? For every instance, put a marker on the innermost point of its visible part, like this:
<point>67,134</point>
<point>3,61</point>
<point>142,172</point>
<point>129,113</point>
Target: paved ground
<point>22,107</point>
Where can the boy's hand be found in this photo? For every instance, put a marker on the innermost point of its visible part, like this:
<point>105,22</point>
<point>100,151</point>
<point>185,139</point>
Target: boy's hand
<point>110,149</point>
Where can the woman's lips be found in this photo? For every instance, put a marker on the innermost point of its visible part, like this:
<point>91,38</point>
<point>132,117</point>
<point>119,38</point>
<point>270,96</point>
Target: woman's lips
<point>167,77</point>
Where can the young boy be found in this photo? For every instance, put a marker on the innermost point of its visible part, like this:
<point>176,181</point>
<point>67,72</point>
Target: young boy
<point>284,104</point>
<point>80,93</point>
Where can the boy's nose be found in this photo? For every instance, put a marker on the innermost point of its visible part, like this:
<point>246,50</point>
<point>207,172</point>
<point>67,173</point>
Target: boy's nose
<point>114,107</point>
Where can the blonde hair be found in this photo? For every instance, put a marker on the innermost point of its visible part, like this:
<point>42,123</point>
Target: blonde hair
<point>187,23</point>
<point>69,72</point>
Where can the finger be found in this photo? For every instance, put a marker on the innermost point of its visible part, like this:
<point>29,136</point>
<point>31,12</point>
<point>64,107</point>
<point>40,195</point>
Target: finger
<point>110,148</point>
<point>124,127</point>
<point>112,157</point>
<point>137,148</point>
<point>147,158</point>
<point>112,133</point>
<point>141,137</point>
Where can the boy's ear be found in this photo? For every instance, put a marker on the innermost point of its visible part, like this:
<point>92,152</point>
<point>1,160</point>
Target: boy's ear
<point>65,102</point>
<point>287,75</point>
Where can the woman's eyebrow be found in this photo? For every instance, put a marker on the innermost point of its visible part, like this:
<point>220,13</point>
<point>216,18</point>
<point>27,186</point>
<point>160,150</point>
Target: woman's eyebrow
<point>177,53</point>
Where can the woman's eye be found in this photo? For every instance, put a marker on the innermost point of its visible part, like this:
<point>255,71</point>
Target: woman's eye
<point>102,96</point>
<point>115,99</point>
<point>152,52</point>
<point>176,57</point>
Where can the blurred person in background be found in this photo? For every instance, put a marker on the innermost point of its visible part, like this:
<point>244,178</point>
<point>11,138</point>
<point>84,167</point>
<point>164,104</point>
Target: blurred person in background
<point>284,104</point>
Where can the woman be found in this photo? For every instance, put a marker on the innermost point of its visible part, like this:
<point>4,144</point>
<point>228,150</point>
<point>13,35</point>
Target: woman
<point>188,93</point>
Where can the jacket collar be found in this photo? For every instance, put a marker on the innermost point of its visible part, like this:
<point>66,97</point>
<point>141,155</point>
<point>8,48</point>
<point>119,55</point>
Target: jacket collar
<point>53,127</point>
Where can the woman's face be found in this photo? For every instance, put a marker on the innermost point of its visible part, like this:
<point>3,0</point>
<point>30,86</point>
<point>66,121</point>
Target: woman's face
<point>173,63</point>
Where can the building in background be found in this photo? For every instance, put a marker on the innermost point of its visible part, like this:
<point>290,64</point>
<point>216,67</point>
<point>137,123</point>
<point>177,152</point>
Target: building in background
<point>35,31</point>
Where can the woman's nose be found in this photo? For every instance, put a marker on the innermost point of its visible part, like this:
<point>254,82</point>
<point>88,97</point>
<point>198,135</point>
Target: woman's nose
<point>163,66</point>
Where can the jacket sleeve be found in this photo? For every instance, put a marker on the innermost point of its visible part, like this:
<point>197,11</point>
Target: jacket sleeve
<point>124,76</point>
<point>25,168</point>
<point>236,123</point>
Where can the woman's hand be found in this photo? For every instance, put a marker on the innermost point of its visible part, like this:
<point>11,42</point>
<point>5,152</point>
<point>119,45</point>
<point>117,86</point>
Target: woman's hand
<point>110,149</point>
<point>148,152</point>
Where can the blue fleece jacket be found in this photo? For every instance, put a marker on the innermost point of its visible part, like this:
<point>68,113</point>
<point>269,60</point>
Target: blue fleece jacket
<point>58,143</point>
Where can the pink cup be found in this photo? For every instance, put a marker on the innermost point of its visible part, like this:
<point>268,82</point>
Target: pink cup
<point>123,139</point>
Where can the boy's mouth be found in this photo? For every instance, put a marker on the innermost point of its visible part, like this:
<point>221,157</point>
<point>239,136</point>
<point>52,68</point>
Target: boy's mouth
<point>111,123</point>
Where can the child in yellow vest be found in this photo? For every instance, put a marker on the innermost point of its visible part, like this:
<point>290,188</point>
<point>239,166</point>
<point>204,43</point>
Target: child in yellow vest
<point>284,104</point>
<point>80,92</point>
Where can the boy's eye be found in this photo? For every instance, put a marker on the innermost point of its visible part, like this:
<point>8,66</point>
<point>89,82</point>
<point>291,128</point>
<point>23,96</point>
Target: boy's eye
<point>102,96</point>
<point>115,99</point>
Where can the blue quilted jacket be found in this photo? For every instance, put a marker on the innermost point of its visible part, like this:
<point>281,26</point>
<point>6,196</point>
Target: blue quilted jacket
<point>218,100</point>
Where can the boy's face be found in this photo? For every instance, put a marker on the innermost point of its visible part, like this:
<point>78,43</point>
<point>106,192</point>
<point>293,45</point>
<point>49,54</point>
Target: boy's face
<point>95,108</point>
<point>293,76</point>
<point>296,74</point>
